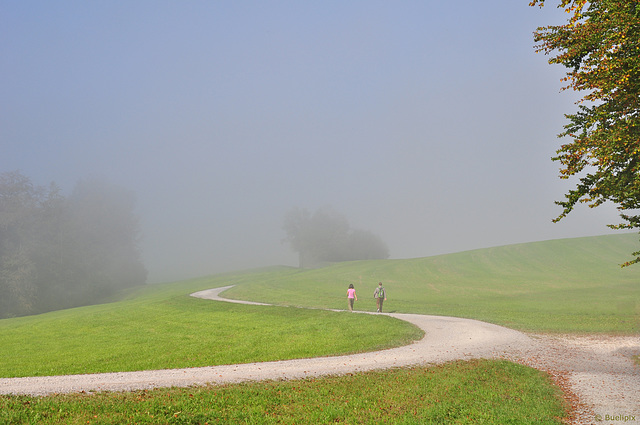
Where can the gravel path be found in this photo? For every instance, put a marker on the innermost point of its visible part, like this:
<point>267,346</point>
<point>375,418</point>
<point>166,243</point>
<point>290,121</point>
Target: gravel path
<point>596,372</point>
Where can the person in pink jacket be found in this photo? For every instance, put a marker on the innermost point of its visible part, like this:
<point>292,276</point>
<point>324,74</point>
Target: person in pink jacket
<point>351,295</point>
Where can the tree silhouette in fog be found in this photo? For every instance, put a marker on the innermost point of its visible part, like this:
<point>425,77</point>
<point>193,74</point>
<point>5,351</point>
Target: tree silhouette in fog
<point>326,236</point>
<point>59,252</point>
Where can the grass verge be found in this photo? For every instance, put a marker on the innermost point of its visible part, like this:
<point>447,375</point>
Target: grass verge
<point>480,391</point>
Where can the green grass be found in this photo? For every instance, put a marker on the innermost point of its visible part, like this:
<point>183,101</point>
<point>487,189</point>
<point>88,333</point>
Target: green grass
<point>489,392</point>
<point>568,285</point>
<point>161,327</point>
<point>571,285</point>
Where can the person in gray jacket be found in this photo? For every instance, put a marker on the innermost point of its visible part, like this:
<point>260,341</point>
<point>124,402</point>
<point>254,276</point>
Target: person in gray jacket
<point>380,295</point>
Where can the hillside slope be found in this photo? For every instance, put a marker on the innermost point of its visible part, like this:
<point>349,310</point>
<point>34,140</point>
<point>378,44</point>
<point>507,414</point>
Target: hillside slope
<point>565,285</point>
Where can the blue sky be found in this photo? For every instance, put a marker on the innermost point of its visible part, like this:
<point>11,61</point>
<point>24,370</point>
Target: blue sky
<point>429,123</point>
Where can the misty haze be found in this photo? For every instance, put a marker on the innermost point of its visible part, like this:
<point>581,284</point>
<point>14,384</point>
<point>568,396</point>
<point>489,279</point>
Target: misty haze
<point>319,212</point>
<point>429,125</point>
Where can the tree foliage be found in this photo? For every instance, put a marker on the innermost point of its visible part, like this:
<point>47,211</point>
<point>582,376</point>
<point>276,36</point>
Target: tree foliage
<point>326,236</point>
<point>58,252</point>
<point>600,47</point>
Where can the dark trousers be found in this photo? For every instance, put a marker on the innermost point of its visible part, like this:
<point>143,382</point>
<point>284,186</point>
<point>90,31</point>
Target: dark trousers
<point>379,302</point>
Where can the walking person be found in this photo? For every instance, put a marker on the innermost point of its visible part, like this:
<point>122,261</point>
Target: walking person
<point>380,295</point>
<point>351,295</point>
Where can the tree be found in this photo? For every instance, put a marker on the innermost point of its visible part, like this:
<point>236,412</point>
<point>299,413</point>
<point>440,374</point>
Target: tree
<point>21,204</point>
<point>106,236</point>
<point>58,252</point>
<point>326,236</point>
<point>364,245</point>
<point>600,47</point>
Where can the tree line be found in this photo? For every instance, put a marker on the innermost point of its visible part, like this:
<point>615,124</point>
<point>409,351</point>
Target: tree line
<point>326,236</point>
<point>59,252</point>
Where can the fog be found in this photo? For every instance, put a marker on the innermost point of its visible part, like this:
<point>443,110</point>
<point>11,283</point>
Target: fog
<point>430,124</point>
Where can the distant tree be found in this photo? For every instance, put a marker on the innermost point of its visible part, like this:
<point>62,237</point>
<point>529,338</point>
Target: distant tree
<point>99,243</point>
<point>364,245</point>
<point>58,252</point>
<point>600,47</point>
<point>295,222</point>
<point>21,206</point>
<point>326,236</point>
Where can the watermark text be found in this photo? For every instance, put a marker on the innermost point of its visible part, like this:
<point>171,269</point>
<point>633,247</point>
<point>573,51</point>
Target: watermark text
<point>616,418</point>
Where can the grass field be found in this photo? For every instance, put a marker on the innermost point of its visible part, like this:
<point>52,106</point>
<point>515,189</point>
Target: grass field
<point>570,285</point>
<point>161,327</point>
<point>567,285</point>
<point>489,392</point>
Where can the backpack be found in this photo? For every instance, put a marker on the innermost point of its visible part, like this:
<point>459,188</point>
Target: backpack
<point>381,292</point>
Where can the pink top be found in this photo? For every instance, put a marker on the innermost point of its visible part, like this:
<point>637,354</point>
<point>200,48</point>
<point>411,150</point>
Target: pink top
<point>351,293</point>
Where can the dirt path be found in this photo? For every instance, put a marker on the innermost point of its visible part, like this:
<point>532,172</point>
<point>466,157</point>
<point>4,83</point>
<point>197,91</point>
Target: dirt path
<point>597,373</point>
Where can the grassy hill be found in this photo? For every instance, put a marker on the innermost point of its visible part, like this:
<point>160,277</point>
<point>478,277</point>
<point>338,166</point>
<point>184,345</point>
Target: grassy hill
<point>567,285</point>
<point>162,327</point>
<point>572,285</point>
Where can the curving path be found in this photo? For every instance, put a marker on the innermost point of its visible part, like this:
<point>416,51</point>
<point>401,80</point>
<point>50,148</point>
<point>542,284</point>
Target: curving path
<point>597,373</point>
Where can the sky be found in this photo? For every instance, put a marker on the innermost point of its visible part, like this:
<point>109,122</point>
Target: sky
<point>431,124</point>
